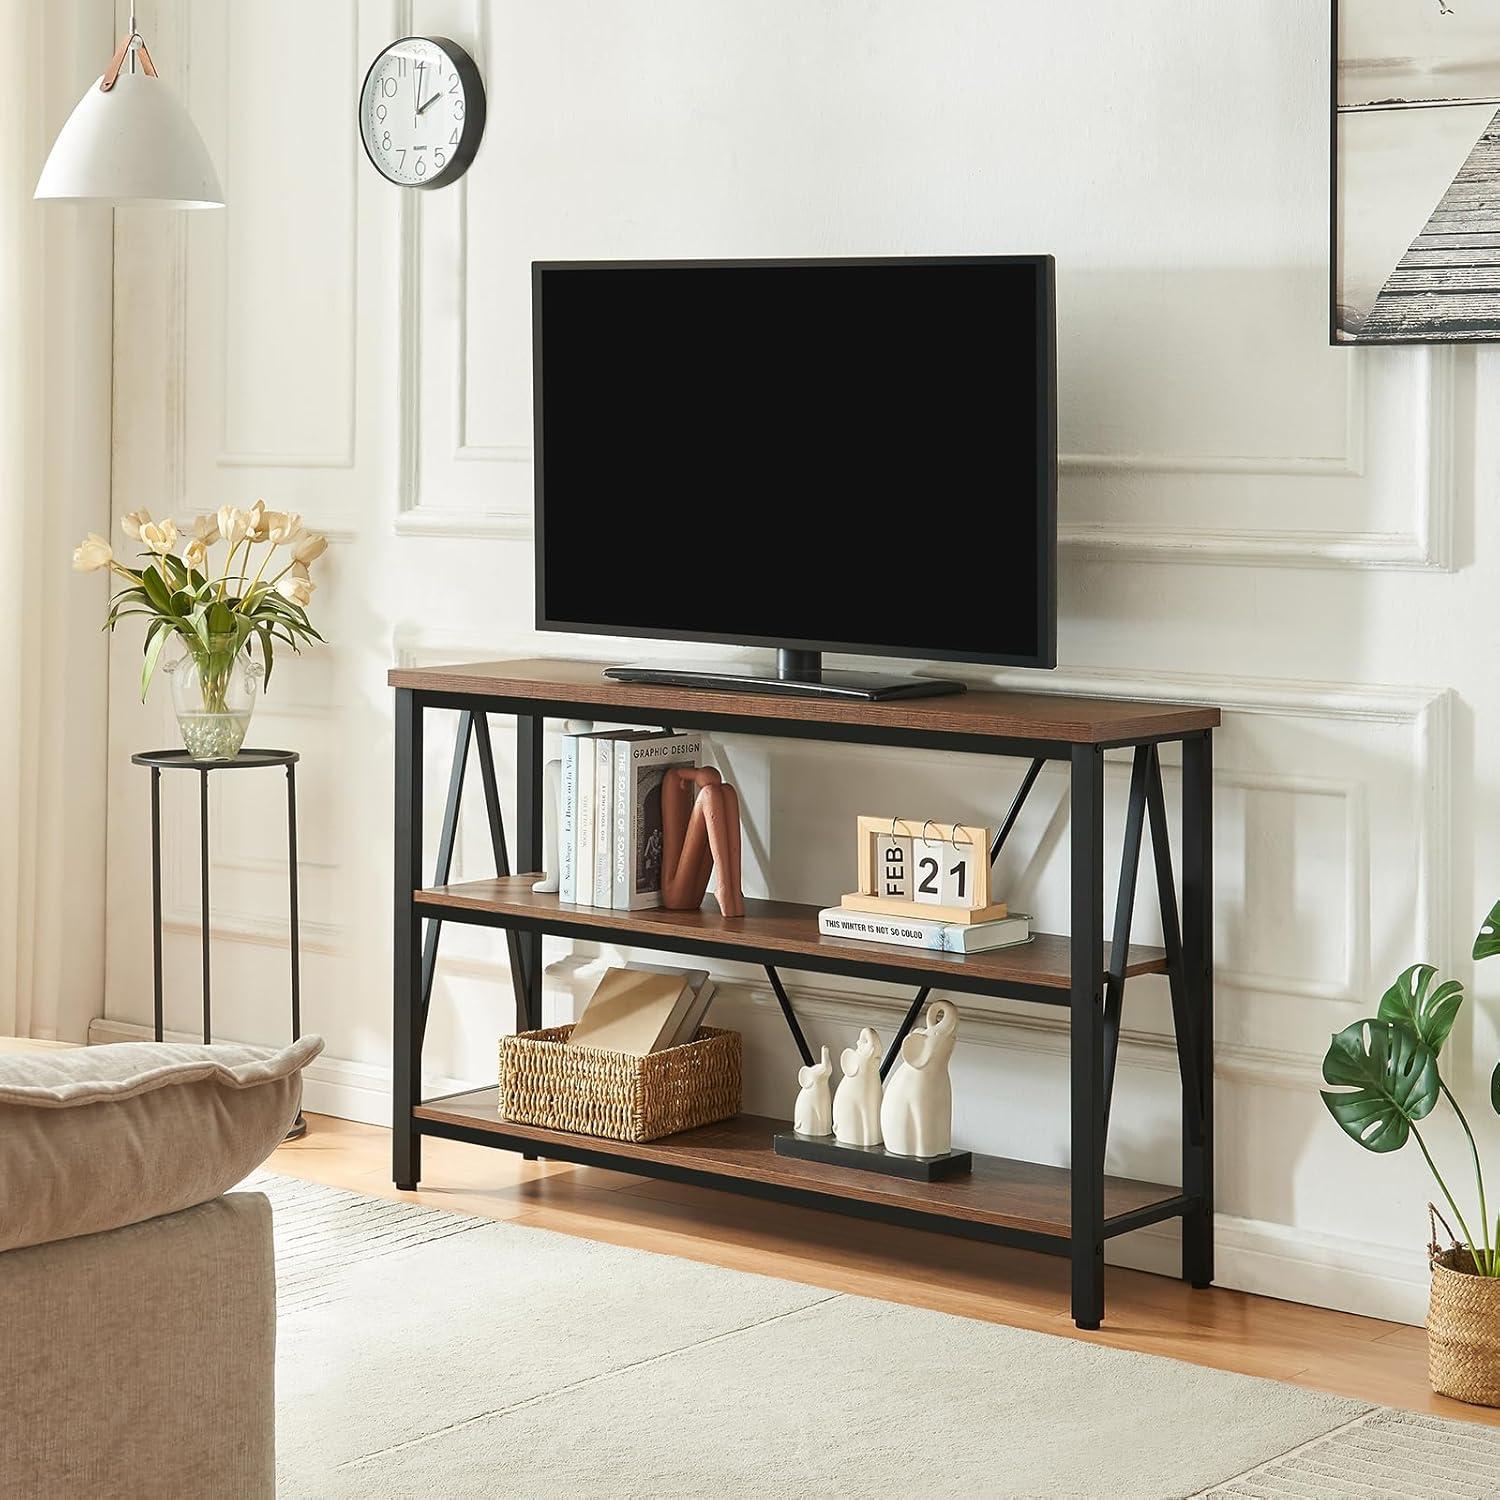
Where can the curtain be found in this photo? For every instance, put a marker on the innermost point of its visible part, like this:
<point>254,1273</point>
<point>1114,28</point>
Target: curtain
<point>55,315</point>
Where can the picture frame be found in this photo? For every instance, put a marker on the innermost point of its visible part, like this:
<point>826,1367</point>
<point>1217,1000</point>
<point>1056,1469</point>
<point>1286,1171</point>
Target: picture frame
<point>1414,158</point>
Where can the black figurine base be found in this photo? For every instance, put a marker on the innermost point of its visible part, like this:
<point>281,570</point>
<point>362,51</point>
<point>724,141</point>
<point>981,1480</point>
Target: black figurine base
<point>826,1149</point>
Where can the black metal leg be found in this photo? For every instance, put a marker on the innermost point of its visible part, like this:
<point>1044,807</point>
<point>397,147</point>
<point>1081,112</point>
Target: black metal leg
<point>156,897</point>
<point>406,1144</point>
<point>1119,948</point>
<point>529,746</point>
<point>203,870</point>
<point>1087,1035</point>
<point>1017,803</point>
<point>299,1125</point>
<point>793,1025</point>
<point>1198,967</point>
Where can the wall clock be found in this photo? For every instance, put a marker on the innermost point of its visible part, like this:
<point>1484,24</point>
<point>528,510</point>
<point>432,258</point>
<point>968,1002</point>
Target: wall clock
<point>421,112</point>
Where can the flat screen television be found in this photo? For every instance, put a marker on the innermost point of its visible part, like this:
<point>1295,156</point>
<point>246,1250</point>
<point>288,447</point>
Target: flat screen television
<point>854,456</point>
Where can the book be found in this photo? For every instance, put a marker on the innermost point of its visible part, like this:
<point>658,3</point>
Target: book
<point>567,832</point>
<point>910,932</point>
<point>604,825</point>
<point>583,828</point>
<point>634,1010</point>
<point>703,993</point>
<point>640,765</point>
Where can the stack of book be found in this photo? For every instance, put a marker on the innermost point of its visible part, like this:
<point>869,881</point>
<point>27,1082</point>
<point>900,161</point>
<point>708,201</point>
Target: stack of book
<point>644,1008</point>
<point>916,932</point>
<point>609,841</point>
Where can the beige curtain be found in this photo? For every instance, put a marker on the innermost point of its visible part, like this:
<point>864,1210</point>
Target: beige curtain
<point>55,269</point>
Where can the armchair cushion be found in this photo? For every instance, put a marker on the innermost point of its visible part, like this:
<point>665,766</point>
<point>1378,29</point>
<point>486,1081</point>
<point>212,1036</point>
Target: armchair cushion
<point>92,1138</point>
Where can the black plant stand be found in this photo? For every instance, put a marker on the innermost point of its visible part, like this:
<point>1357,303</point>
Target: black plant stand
<point>246,760</point>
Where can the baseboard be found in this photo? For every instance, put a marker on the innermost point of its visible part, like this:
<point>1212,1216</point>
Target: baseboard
<point>330,1085</point>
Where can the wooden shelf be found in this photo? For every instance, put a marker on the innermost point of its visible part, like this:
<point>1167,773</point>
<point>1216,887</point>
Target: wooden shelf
<point>547,686</point>
<point>783,928</point>
<point>1016,1196</point>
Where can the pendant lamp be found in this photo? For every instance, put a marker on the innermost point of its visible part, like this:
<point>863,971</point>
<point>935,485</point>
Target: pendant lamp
<point>130,142</point>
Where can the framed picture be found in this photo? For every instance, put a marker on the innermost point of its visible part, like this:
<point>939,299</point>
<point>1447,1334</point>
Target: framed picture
<point>1415,171</point>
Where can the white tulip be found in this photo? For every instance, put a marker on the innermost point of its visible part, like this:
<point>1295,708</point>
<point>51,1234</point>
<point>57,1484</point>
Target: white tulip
<point>131,524</point>
<point>195,554</point>
<point>160,536</point>
<point>232,523</point>
<point>282,526</point>
<point>206,530</point>
<point>296,587</point>
<point>310,548</point>
<point>256,523</point>
<point>92,554</point>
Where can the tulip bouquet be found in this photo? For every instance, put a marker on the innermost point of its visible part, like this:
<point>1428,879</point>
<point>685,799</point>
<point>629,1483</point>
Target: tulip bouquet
<point>218,612</point>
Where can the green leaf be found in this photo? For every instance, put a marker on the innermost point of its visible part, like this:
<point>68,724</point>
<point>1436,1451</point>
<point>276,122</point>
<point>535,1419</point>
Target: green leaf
<point>156,590</point>
<point>1427,1013</point>
<point>156,638</point>
<point>1495,1089</point>
<point>1487,944</point>
<point>269,656</point>
<point>1394,1082</point>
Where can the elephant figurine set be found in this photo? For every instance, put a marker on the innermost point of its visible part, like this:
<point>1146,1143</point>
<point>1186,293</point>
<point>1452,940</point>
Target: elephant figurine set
<point>912,1116</point>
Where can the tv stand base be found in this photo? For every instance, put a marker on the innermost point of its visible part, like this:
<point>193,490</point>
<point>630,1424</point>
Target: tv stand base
<point>795,675</point>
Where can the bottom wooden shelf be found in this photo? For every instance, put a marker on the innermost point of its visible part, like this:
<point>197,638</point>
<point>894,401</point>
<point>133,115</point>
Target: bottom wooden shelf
<point>1002,1199</point>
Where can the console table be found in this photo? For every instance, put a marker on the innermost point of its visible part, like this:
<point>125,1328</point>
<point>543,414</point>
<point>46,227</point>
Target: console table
<point>1063,1211</point>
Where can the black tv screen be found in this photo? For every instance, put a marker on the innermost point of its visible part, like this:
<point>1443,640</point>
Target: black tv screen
<point>842,455</point>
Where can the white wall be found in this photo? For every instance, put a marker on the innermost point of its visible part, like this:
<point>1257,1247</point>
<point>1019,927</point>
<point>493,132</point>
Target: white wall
<point>1249,518</point>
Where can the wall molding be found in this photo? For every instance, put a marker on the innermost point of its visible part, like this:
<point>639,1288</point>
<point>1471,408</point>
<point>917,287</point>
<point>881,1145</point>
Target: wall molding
<point>1428,546</point>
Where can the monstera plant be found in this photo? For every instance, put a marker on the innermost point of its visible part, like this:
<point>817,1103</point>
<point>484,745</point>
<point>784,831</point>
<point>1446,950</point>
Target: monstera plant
<point>1386,1072</point>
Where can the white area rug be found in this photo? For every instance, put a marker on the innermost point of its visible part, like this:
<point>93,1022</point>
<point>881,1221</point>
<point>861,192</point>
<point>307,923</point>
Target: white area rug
<point>422,1352</point>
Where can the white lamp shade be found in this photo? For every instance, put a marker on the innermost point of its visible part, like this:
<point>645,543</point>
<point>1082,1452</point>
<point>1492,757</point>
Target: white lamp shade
<point>135,145</point>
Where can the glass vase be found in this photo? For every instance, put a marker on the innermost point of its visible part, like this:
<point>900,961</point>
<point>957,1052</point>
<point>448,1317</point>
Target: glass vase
<point>213,693</point>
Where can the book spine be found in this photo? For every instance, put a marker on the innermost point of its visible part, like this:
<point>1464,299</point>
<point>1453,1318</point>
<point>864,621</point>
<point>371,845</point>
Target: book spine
<point>834,921</point>
<point>583,843</point>
<point>650,759</point>
<point>604,822</point>
<point>619,895</point>
<point>567,889</point>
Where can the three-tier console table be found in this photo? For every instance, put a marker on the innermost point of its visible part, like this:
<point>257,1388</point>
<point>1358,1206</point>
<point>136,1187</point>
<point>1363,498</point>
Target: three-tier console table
<point>1064,1211</point>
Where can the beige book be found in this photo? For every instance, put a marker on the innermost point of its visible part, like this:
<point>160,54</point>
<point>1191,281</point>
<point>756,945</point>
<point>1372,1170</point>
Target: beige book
<point>633,1011</point>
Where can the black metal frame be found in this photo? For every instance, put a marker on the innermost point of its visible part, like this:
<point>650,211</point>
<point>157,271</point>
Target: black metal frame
<point>247,760</point>
<point>1094,999</point>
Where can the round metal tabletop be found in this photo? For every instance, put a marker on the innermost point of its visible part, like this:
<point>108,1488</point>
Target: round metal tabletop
<point>246,760</point>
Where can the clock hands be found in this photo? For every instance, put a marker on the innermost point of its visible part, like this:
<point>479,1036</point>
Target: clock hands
<point>422,110</point>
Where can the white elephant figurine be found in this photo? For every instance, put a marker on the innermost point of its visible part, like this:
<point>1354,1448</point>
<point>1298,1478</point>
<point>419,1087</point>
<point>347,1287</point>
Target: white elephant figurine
<point>551,880</point>
<point>814,1109</point>
<point>916,1115</point>
<point>856,1104</point>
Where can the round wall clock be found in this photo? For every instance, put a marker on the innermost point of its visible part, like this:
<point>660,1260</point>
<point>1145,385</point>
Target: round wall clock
<point>421,112</point>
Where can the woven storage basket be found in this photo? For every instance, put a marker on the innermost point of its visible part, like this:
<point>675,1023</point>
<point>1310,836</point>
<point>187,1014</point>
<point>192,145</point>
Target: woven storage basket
<point>1463,1326</point>
<point>613,1094</point>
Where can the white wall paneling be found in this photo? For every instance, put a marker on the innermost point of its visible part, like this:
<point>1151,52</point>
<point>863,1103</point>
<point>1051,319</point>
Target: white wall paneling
<point>363,355</point>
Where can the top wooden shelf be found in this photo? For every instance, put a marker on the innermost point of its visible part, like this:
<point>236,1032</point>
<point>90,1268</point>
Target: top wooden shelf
<point>1033,717</point>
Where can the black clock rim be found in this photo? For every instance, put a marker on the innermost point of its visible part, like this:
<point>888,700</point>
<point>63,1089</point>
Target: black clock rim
<point>475,111</point>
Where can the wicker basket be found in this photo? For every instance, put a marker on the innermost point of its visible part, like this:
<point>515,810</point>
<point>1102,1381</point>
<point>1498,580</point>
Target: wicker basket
<point>1463,1326</point>
<point>613,1094</point>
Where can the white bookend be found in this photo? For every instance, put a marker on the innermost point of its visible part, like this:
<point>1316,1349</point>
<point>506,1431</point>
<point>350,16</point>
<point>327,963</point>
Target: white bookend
<point>583,838</point>
<point>647,761</point>
<point>604,822</point>
<point>567,833</point>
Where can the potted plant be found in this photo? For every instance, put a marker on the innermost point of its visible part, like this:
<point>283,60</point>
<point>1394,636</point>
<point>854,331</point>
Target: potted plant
<point>218,615</point>
<point>1386,1071</point>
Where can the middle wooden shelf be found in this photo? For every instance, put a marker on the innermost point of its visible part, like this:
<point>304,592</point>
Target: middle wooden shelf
<point>776,932</point>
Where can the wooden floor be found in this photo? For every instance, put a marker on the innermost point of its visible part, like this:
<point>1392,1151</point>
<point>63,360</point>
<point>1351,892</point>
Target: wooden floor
<point>1359,1357</point>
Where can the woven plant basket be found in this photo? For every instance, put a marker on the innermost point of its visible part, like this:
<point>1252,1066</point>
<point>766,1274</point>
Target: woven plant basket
<point>1463,1324</point>
<point>613,1094</point>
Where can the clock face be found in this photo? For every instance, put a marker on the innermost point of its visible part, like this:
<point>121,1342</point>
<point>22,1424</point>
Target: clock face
<point>421,112</point>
